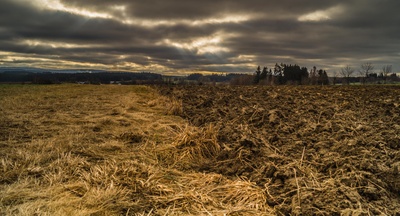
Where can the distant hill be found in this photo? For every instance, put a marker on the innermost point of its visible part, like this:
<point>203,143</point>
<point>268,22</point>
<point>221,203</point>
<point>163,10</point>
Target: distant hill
<point>41,70</point>
<point>45,76</point>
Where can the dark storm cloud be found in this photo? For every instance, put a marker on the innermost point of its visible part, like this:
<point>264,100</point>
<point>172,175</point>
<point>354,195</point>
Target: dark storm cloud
<point>204,35</point>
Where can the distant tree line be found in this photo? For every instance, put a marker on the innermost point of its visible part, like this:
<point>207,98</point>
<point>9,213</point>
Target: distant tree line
<point>367,75</point>
<point>200,78</point>
<point>92,78</point>
<point>282,74</point>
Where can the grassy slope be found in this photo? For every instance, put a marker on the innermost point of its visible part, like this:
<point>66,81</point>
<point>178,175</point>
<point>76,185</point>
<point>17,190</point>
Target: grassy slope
<point>107,150</point>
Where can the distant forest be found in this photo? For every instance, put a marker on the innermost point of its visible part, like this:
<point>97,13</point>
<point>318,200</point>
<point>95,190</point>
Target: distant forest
<point>280,74</point>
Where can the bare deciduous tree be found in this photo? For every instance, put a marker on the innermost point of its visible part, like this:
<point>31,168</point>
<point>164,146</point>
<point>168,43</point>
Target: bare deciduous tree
<point>334,76</point>
<point>366,69</point>
<point>346,73</point>
<point>386,70</point>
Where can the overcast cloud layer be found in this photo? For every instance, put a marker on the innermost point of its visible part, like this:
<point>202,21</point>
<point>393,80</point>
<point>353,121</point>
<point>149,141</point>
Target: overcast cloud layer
<point>179,36</point>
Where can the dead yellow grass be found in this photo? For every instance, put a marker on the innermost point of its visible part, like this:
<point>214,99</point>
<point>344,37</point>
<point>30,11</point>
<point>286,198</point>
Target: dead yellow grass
<point>109,150</point>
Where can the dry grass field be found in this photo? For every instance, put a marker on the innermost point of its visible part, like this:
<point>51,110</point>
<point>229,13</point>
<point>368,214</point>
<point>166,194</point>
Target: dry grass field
<point>136,150</point>
<point>105,150</point>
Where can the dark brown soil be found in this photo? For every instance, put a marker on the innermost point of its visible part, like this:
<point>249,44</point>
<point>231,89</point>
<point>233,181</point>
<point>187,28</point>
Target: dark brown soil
<point>314,150</point>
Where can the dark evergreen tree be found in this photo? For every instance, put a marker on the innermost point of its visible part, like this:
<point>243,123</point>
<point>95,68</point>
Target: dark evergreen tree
<point>257,75</point>
<point>304,75</point>
<point>270,72</point>
<point>264,73</point>
<point>313,76</point>
<point>294,74</point>
<point>322,77</point>
<point>277,70</point>
<point>278,73</point>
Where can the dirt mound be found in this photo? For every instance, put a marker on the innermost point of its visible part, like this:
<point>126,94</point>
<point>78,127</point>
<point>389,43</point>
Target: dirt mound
<point>312,150</point>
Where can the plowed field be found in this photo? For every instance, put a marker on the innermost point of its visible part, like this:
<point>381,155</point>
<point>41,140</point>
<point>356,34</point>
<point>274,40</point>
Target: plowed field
<point>313,150</point>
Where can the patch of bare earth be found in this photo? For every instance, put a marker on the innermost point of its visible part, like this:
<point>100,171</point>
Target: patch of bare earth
<point>307,150</point>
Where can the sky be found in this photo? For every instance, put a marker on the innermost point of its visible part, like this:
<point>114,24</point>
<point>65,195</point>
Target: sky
<point>175,37</point>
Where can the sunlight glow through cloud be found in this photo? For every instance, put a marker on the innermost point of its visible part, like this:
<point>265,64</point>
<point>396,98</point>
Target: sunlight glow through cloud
<point>51,62</point>
<point>124,18</point>
<point>153,23</point>
<point>225,19</point>
<point>321,15</point>
<point>58,6</point>
<point>52,44</point>
<point>200,45</point>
